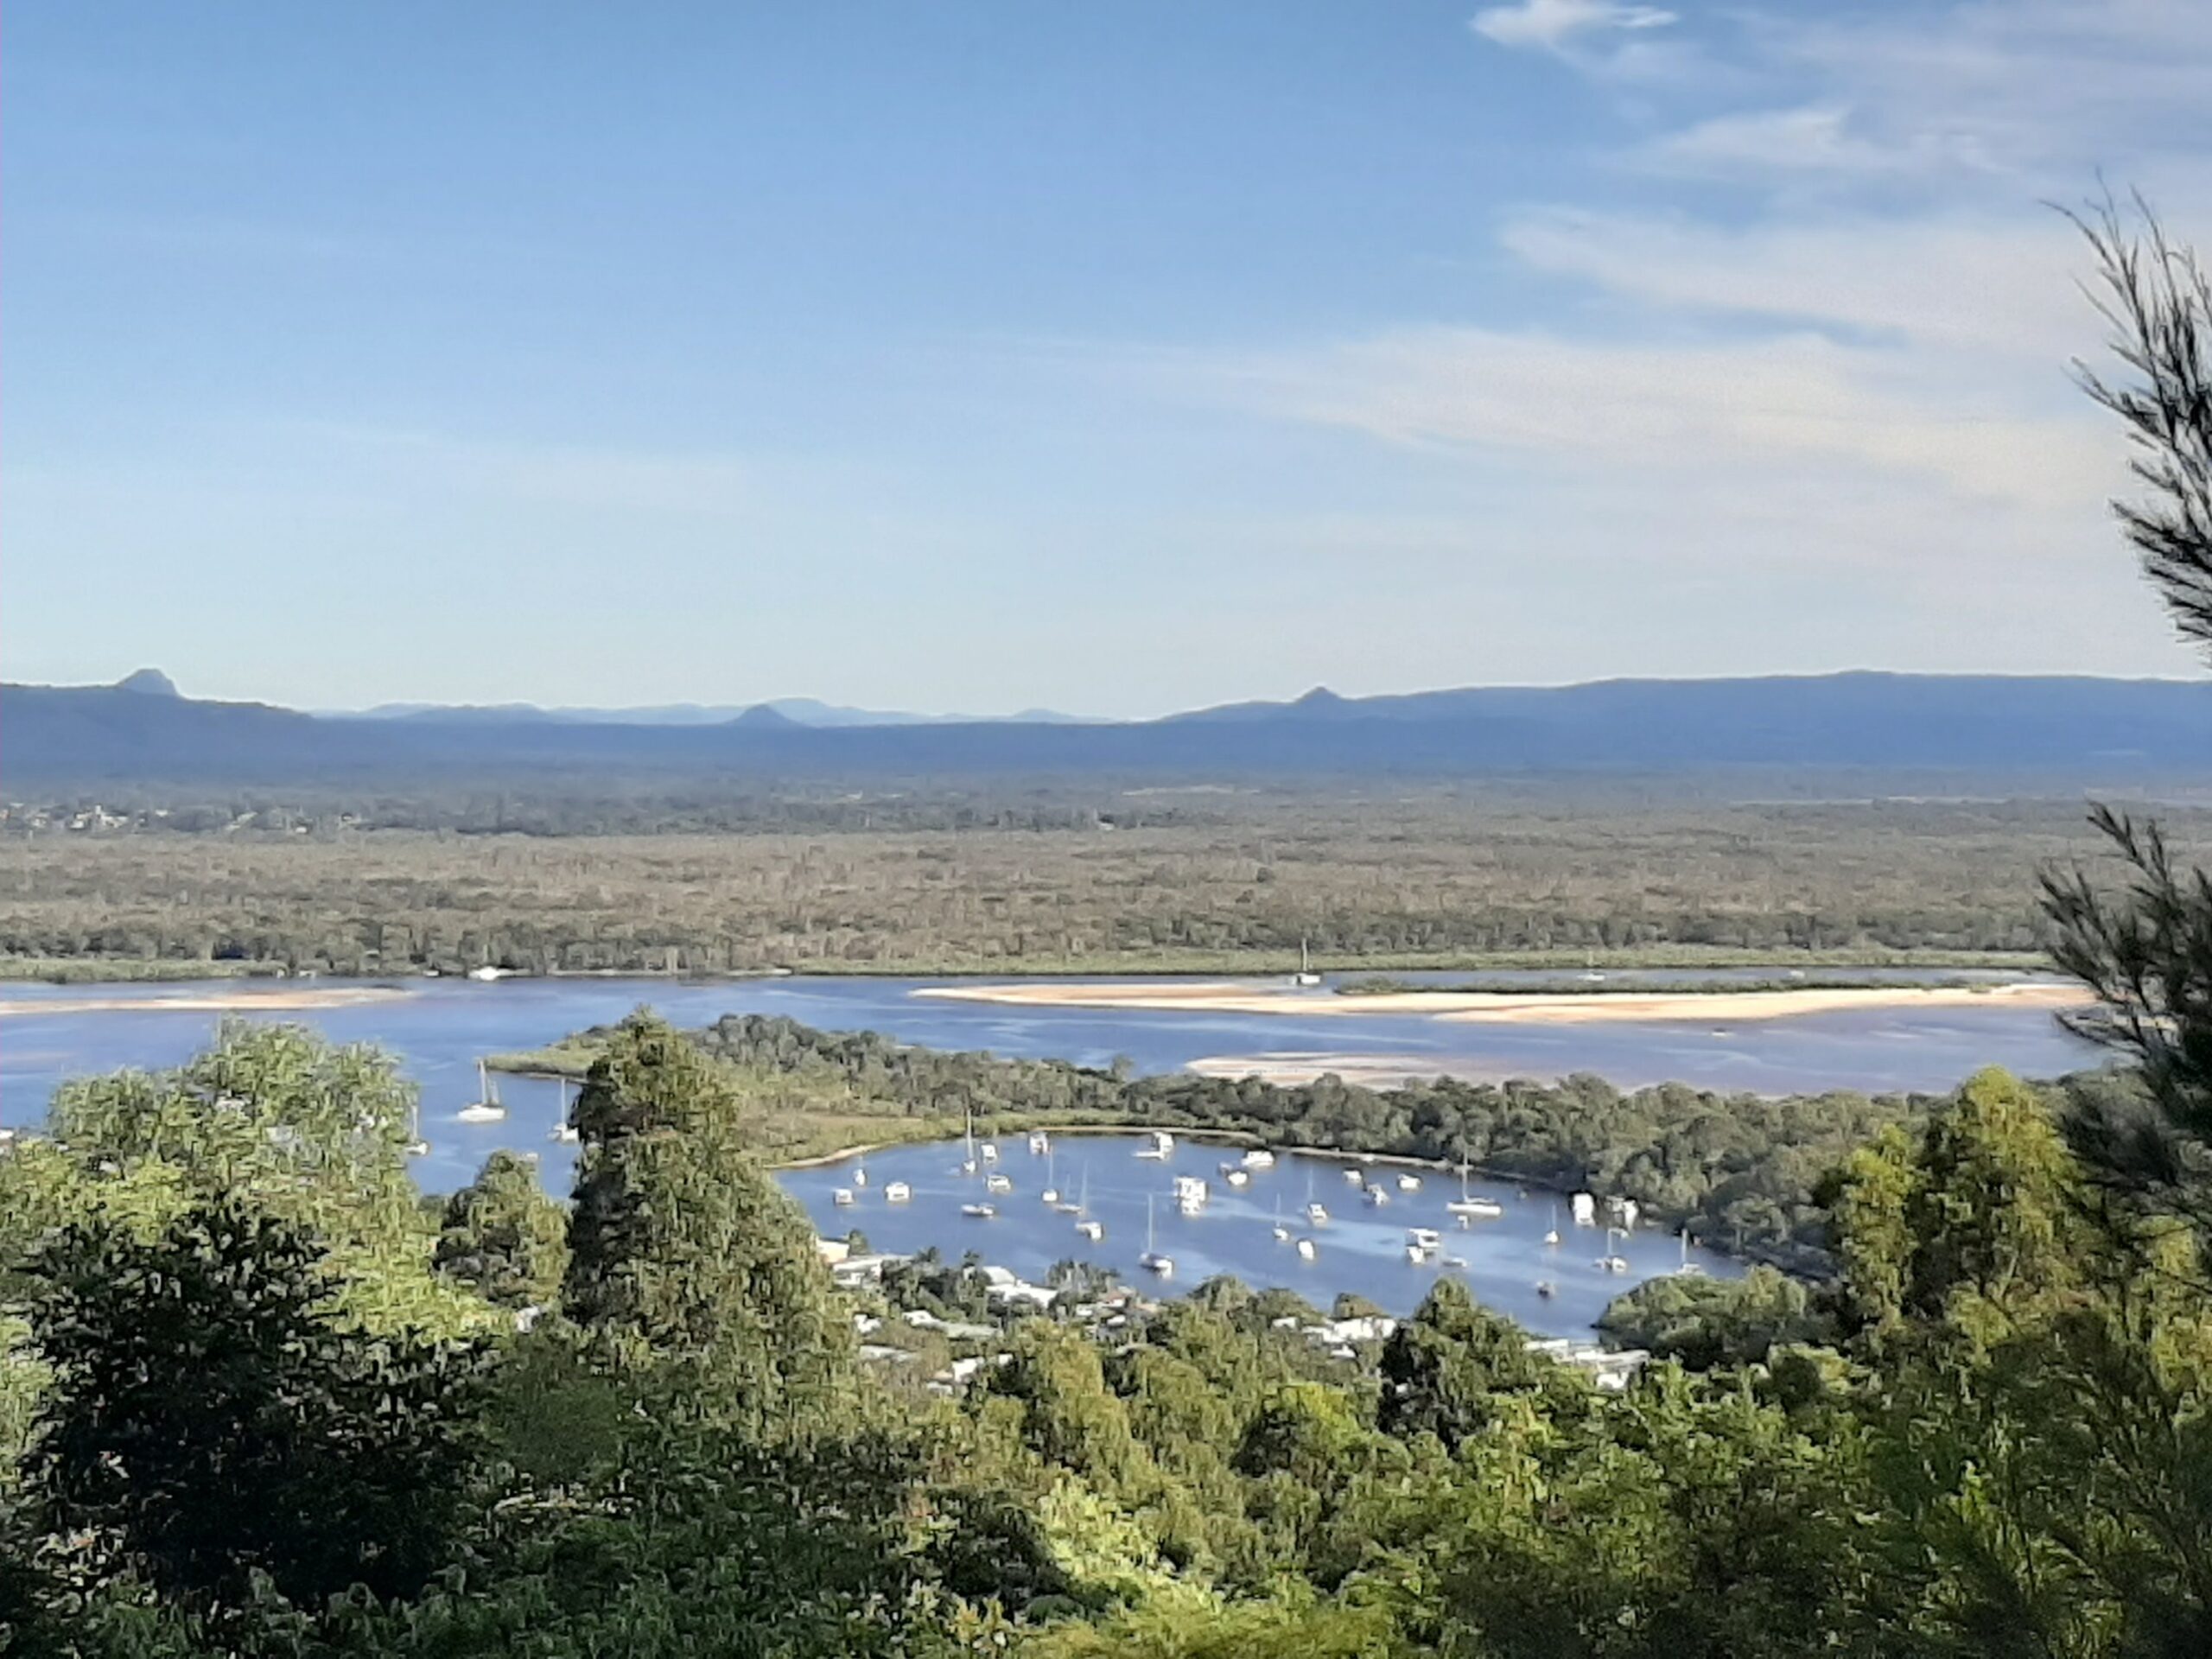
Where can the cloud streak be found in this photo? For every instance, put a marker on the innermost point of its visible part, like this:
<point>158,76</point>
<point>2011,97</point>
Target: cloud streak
<point>1551,25</point>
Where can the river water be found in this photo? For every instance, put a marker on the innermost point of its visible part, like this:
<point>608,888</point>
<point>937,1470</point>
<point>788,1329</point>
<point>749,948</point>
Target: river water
<point>439,1028</point>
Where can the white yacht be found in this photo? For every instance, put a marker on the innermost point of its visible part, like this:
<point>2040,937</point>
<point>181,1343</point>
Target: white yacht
<point>1157,1144</point>
<point>843,1198</point>
<point>1355,1178</point>
<point>564,1132</point>
<point>1082,1203</point>
<point>1408,1183</point>
<point>1316,1214</point>
<point>416,1145</point>
<point>1259,1158</point>
<point>1093,1230</point>
<point>897,1192</point>
<point>1305,978</point>
<point>982,1212</point>
<point>1609,1262</point>
<point>1153,1261</point>
<point>486,1107</point>
<point>1689,1269</point>
<point>1469,1209</point>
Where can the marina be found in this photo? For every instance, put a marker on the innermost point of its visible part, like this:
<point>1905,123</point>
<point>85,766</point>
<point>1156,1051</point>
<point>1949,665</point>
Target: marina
<point>1134,1223</point>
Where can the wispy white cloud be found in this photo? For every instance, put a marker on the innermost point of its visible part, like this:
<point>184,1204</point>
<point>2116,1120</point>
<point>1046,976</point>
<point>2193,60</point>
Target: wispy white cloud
<point>1551,25</point>
<point>2002,284</point>
<point>1822,140</point>
<point>1664,411</point>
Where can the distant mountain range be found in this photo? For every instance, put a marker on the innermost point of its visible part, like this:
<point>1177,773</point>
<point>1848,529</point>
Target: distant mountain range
<point>141,731</point>
<point>800,711</point>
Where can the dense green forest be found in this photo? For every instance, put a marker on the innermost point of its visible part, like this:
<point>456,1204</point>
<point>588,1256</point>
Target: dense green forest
<point>259,1398</point>
<point>1204,881</point>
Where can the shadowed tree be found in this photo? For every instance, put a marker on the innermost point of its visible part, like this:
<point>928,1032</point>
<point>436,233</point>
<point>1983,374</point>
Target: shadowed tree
<point>505,1236</point>
<point>210,1419</point>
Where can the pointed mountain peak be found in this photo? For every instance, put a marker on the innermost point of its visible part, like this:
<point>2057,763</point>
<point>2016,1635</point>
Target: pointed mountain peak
<point>149,682</point>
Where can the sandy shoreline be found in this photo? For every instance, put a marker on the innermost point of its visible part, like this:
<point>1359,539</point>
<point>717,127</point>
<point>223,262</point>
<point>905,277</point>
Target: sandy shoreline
<point>1292,1071</point>
<point>1548,1008</point>
<point>238,1002</point>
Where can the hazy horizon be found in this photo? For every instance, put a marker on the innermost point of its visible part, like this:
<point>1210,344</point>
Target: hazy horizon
<point>977,359</point>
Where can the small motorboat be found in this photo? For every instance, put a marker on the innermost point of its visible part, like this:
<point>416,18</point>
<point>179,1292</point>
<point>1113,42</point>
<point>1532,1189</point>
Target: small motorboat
<point>1317,1215</point>
<point>1427,1237</point>
<point>991,1151</point>
<point>1546,1289</point>
<point>1308,1250</point>
<point>1039,1143</point>
<point>981,1211</point>
<point>1475,1209</point>
<point>843,1198</point>
<point>1282,1234</point>
<point>1093,1230</point>
<point>1377,1195</point>
<point>1050,1195</point>
<point>897,1192</point>
<point>997,1184</point>
<point>1355,1178</point>
<point>1157,1144</point>
<point>1408,1183</point>
<point>1415,1255</point>
<point>1259,1158</point>
<point>1238,1178</point>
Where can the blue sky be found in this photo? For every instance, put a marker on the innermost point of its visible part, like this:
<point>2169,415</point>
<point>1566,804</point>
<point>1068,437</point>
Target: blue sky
<point>1114,358</point>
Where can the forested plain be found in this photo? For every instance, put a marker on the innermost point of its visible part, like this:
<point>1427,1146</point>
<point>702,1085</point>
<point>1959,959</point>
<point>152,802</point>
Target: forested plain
<point>1056,879</point>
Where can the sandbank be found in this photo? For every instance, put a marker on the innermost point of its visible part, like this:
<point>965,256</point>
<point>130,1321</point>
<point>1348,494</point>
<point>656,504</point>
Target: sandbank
<point>285,1000</point>
<point>1552,1007</point>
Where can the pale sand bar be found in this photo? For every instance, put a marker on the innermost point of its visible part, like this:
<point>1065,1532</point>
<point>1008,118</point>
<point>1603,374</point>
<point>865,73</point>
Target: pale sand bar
<point>289,999</point>
<point>1367,1070</point>
<point>1538,1008</point>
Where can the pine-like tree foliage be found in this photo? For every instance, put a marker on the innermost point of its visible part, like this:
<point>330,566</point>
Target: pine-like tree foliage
<point>2145,950</point>
<point>683,1252</point>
